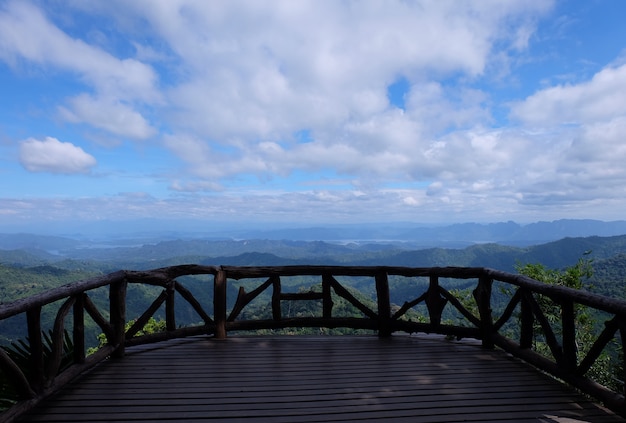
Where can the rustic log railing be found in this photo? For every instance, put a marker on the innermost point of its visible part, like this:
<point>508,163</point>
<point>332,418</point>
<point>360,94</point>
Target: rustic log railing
<point>523,311</point>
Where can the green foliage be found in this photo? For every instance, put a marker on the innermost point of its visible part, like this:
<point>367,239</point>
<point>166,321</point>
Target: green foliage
<point>574,276</point>
<point>8,396</point>
<point>609,276</point>
<point>23,274</point>
<point>618,369</point>
<point>342,308</point>
<point>466,298</point>
<point>262,310</point>
<point>20,352</point>
<point>152,326</point>
<point>587,327</point>
<point>18,282</point>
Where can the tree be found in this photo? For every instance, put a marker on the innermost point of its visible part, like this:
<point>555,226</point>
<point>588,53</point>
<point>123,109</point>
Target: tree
<point>605,370</point>
<point>151,326</point>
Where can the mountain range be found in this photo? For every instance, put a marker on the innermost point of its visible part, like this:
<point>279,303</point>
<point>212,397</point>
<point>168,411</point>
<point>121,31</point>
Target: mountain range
<point>564,248</point>
<point>33,263</point>
<point>370,236</point>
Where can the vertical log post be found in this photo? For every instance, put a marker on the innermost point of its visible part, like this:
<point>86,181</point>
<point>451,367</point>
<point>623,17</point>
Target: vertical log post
<point>327,300</point>
<point>434,301</point>
<point>568,317</point>
<point>33,317</point>
<point>482,295</point>
<point>384,305</point>
<point>170,314</point>
<point>79,329</point>
<point>527,322</point>
<point>622,333</point>
<point>219,304</point>
<point>53,361</point>
<point>117,307</point>
<point>276,311</point>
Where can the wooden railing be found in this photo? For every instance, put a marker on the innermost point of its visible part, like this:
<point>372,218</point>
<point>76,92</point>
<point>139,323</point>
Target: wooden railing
<point>523,312</point>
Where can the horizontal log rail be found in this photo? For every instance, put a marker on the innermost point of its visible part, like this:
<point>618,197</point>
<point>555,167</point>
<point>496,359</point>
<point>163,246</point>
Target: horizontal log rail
<point>523,311</point>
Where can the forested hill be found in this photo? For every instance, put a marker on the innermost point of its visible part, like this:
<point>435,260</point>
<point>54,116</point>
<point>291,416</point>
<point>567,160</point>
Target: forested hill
<point>557,254</point>
<point>28,271</point>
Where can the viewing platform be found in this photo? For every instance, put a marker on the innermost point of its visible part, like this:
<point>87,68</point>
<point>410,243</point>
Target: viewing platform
<point>317,379</point>
<point>464,360</point>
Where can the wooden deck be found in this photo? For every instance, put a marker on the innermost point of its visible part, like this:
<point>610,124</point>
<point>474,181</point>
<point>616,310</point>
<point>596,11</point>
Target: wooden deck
<point>317,379</point>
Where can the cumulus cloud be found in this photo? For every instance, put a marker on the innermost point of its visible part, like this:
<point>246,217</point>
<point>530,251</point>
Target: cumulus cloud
<point>257,74</point>
<point>113,116</point>
<point>232,84</point>
<point>54,156</point>
<point>27,35</point>
<point>248,75</point>
<point>322,61</point>
<point>579,131</point>
<point>599,99</point>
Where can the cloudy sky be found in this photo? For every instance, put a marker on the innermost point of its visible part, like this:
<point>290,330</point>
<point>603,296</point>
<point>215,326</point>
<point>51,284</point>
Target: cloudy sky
<point>309,112</point>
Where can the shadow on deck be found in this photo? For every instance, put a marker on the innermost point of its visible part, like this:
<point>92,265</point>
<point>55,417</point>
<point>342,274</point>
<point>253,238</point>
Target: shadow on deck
<point>317,379</point>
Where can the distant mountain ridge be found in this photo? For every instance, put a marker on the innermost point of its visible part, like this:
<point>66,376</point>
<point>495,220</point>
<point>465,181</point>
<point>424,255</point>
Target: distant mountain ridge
<point>456,235</point>
<point>375,237</point>
<point>37,263</point>
<point>26,272</point>
<point>555,254</point>
<point>474,245</point>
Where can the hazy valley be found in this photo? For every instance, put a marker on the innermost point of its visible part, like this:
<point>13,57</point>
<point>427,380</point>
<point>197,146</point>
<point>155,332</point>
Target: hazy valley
<point>32,263</point>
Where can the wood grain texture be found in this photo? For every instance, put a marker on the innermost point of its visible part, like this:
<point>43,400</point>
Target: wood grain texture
<point>317,379</point>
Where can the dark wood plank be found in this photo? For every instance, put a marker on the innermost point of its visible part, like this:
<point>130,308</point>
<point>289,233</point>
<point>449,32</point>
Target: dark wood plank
<point>317,379</point>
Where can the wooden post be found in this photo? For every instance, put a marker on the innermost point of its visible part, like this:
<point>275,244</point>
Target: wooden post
<point>482,295</point>
<point>117,307</point>
<point>276,311</point>
<point>53,362</point>
<point>384,305</point>
<point>219,304</point>
<point>622,332</point>
<point>527,321</point>
<point>170,310</point>
<point>37,377</point>
<point>79,328</point>
<point>568,317</point>
<point>434,301</point>
<point>327,301</point>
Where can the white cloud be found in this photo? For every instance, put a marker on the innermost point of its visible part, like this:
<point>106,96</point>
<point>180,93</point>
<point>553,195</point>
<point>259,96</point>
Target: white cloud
<point>121,85</point>
<point>578,155</point>
<point>200,159</point>
<point>26,33</point>
<point>601,98</point>
<point>54,156</point>
<point>601,144</point>
<point>251,74</point>
<point>113,116</point>
<point>257,73</point>
<point>195,186</point>
<point>311,207</point>
<point>233,83</point>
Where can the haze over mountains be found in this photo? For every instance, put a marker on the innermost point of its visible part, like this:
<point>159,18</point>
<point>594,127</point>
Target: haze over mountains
<point>406,235</point>
<point>456,235</point>
<point>30,263</point>
<point>499,245</point>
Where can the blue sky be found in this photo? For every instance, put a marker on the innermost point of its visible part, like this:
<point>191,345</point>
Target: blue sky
<point>311,112</point>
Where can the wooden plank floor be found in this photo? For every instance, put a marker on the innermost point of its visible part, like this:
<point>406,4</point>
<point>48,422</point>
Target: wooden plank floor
<point>317,379</point>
